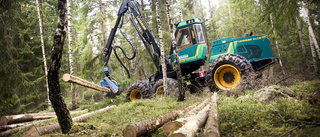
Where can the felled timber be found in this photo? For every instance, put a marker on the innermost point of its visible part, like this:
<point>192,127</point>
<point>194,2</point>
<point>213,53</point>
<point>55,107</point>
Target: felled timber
<point>212,126</point>
<point>142,127</point>
<point>20,118</point>
<point>192,126</point>
<point>171,126</point>
<point>85,83</point>
<point>49,128</point>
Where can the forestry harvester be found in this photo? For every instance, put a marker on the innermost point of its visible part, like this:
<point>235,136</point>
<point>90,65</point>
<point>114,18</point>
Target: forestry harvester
<point>230,60</point>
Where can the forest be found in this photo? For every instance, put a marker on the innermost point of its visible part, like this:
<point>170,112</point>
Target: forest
<point>27,29</point>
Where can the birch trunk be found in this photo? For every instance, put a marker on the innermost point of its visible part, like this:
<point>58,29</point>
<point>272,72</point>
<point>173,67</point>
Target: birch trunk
<point>302,44</point>
<point>311,32</point>
<point>56,99</point>
<point>43,51</point>
<point>175,53</point>
<point>70,54</point>
<point>274,33</point>
<point>314,56</point>
<point>195,12</point>
<point>180,10</point>
<point>164,70</point>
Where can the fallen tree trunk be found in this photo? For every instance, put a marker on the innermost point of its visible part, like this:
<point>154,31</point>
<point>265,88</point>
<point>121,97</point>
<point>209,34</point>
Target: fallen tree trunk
<point>171,126</point>
<point>193,124</point>
<point>49,128</point>
<point>85,83</point>
<point>20,118</point>
<point>212,126</point>
<point>141,128</point>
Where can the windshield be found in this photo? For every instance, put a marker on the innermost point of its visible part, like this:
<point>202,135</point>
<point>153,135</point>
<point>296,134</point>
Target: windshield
<point>183,37</point>
<point>199,32</point>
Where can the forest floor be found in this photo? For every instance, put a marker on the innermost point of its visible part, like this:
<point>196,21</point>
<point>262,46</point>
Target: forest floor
<point>292,110</point>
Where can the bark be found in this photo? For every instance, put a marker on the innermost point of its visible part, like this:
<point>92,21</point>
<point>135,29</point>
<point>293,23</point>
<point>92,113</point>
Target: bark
<point>192,125</point>
<point>6,120</point>
<point>175,53</point>
<point>70,54</point>
<point>311,32</point>
<point>210,9</point>
<point>274,33</point>
<point>175,125</point>
<point>43,51</point>
<point>82,82</point>
<point>302,44</point>
<point>104,34</point>
<point>212,126</point>
<point>57,101</point>
<point>180,10</point>
<point>164,70</point>
<point>141,128</point>
<point>314,56</point>
<point>50,128</point>
<point>243,21</point>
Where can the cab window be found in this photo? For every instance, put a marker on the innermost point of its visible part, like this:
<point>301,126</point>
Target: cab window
<point>183,37</point>
<point>199,33</point>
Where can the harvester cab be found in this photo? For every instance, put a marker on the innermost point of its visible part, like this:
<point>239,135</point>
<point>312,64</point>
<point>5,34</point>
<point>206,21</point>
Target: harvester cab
<point>191,45</point>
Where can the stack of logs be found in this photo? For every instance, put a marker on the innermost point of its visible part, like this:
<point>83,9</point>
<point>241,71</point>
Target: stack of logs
<point>205,113</point>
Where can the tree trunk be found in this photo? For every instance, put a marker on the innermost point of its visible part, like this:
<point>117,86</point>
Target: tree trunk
<point>50,128</point>
<point>314,56</point>
<point>212,126</point>
<point>82,82</point>
<point>175,125</point>
<point>57,101</point>
<point>175,53</point>
<point>192,125</point>
<point>311,32</point>
<point>302,45</point>
<point>180,10</point>
<point>43,51</point>
<point>104,34</point>
<point>141,128</point>
<point>274,33</point>
<point>210,9</point>
<point>164,69</point>
<point>73,95</point>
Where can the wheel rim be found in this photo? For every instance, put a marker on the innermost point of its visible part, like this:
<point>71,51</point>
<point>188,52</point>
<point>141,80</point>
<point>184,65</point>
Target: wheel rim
<point>226,77</point>
<point>135,94</point>
<point>159,91</point>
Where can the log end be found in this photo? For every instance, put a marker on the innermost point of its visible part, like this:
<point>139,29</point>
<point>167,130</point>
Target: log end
<point>31,132</point>
<point>66,77</point>
<point>3,120</point>
<point>130,131</point>
<point>170,127</point>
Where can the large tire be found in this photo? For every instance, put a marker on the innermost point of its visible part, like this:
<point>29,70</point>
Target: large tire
<point>172,87</point>
<point>227,72</point>
<point>138,90</point>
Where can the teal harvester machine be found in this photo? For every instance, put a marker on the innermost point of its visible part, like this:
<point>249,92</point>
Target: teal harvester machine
<point>230,60</point>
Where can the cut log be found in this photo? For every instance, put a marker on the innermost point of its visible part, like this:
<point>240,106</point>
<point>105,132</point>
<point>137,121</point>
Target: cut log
<point>141,128</point>
<point>171,126</point>
<point>11,119</point>
<point>212,126</point>
<point>49,128</point>
<point>85,83</point>
<point>193,124</point>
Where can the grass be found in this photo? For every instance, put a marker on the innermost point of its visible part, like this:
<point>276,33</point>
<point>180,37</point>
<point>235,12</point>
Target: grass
<point>240,114</point>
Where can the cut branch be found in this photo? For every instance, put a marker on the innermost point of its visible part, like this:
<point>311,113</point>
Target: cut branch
<point>175,125</point>
<point>49,128</point>
<point>85,83</point>
<point>141,128</point>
